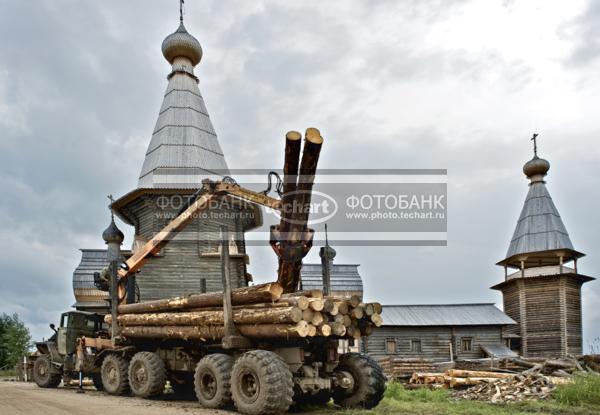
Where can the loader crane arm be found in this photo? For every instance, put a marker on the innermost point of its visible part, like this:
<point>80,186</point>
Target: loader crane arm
<point>209,192</point>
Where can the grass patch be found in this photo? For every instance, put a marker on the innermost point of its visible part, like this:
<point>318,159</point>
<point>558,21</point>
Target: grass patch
<point>398,400</point>
<point>584,391</point>
<point>7,373</point>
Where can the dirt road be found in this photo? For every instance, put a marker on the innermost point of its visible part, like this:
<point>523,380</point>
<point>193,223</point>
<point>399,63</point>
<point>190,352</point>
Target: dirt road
<point>19,398</point>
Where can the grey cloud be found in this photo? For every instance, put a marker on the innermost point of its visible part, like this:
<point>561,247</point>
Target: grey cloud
<point>81,88</point>
<point>586,30</point>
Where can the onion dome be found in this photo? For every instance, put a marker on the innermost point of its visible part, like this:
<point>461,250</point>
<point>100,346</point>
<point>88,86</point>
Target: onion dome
<point>536,167</point>
<point>112,234</point>
<point>327,252</point>
<point>181,43</point>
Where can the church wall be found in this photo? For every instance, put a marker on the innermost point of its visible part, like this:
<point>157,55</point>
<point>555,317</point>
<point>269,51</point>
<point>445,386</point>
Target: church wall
<point>574,313</point>
<point>511,307</point>
<point>191,256</point>
<point>435,341</point>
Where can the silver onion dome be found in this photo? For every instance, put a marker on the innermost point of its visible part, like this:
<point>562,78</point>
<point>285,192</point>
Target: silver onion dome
<point>181,43</point>
<point>536,166</point>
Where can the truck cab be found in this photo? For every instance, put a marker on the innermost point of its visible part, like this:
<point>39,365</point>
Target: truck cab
<point>57,355</point>
<point>75,324</point>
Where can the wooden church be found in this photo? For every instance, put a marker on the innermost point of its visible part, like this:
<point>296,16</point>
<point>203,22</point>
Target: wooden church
<point>183,151</point>
<point>542,284</point>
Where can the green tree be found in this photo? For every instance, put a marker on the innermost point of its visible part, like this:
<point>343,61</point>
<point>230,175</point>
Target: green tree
<point>15,340</point>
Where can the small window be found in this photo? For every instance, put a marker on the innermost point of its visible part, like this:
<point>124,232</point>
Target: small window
<point>415,346</point>
<point>467,344</point>
<point>390,346</point>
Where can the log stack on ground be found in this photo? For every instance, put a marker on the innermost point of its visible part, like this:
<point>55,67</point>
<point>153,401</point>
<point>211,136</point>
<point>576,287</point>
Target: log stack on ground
<point>454,378</point>
<point>260,311</point>
<point>511,389</point>
<point>492,387</point>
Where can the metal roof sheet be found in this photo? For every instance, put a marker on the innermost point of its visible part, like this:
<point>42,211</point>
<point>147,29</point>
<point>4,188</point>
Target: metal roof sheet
<point>444,315</point>
<point>498,350</point>
<point>344,277</point>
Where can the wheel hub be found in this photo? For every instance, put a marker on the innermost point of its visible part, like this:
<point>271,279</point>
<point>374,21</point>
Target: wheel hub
<point>250,386</point>
<point>112,375</point>
<point>140,374</point>
<point>208,385</point>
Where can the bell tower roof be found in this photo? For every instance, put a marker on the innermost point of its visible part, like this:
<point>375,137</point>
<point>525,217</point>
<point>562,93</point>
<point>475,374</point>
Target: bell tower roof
<point>540,237</point>
<point>184,148</point>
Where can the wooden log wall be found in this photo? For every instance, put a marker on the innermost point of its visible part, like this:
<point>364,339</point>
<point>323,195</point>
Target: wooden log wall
<point>548,311</point>
<point>181,264</point>
<point>435,341</point>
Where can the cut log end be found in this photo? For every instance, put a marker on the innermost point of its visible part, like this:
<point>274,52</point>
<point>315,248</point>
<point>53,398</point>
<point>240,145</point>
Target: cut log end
<point>293,135</point>
<point>313,136</point>
<point>324,330</point>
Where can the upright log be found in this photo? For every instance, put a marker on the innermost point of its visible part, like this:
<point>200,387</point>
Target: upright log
<point>246,295</point>
<point>293,142</point>
<point>293,236</point>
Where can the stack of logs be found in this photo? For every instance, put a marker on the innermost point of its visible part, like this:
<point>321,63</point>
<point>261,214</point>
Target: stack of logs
<point>260,311</point>
<point>521,387</point>
<point>455,378</point>
<point>564,367</point>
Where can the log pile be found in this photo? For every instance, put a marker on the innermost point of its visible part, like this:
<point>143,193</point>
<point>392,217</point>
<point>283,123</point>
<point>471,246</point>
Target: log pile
<point>260,311</point>
<point>563,367</point>
<point>511,389</point>
<point>455,378</point>
<point>537,379</point>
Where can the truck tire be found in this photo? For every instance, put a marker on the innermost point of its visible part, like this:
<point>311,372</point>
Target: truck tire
<point>42,373</point>
<point>261,383</point>
<point>114,375</point>
<point>212,380</point>
<point>369,382</point>
<point>147,375</point>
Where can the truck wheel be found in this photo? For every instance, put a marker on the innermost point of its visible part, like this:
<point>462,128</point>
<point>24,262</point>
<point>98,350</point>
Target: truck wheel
<point>97,379</point>
<point>369,382</point>
<point>114,375</point>
<point>147,375</point>
<point>261,383</point>
<point>42,373</point>
<point>212,380</point>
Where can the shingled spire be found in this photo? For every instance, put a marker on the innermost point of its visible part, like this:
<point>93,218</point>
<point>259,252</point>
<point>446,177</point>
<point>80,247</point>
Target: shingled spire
<point>540,237</point>
<point>184,148</point>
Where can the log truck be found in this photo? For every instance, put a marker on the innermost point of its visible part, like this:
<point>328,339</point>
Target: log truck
<point>252,346</point>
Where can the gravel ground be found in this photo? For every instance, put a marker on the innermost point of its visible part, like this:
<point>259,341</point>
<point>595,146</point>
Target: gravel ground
<point>19,398</point>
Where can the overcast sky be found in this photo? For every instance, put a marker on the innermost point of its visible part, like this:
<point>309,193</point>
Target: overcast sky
<point>396,84</point>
